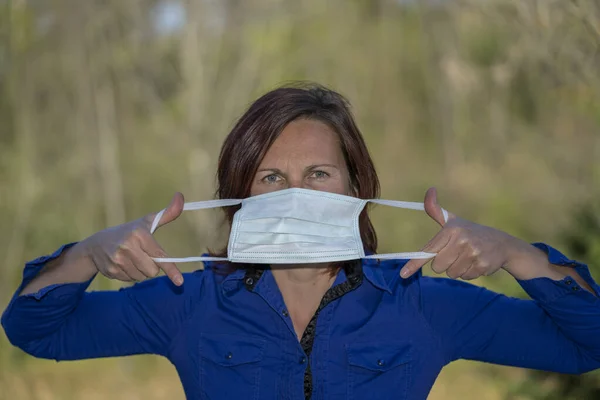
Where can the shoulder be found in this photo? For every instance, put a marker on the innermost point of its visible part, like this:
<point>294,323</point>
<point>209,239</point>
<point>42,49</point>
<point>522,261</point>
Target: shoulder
<point>201,281</point>
<point>435,282</point>
<point>444,292</point>
<point>159,299</point>
<point>161,287</point>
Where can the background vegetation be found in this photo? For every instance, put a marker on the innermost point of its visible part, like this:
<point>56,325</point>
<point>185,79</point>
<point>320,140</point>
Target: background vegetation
<point>108,107</point>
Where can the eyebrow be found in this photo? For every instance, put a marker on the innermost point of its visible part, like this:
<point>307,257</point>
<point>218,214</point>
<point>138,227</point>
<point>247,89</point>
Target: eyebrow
<point>306,169</point>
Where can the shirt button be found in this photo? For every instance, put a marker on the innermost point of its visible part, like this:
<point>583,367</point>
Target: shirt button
<point>575,288</point>
<point>381,363</point>
<point>249,281</point>
<point>302,360</point>
<point>229,356</point>
<point>568,282</point>
<point>285,313</point>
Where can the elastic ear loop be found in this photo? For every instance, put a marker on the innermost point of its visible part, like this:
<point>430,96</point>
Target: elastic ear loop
<point>197,205</point>
<point>200,205</point>
<point>407,255</point>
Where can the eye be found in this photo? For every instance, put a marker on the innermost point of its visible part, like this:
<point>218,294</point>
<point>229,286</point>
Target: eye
<point>319,175</point>
<point>271,178</point>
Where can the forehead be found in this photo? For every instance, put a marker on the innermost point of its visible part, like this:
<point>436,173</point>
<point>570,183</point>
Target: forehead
<point>308,140</point>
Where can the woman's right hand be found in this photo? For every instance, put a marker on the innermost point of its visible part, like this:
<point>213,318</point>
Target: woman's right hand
<point>125,252</point>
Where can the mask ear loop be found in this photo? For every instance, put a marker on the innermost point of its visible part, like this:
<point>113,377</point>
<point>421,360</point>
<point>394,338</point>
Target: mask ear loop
<point>411,205</point>
<point>197,205</point>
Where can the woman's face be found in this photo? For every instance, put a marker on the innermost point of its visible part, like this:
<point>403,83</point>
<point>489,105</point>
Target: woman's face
<point>307,155</point>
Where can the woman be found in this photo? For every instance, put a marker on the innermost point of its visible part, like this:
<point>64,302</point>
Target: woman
<point>361,328</point>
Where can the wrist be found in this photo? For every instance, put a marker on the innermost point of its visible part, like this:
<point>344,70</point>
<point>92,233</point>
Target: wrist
<point>526,261</point>
<point>81,255</point>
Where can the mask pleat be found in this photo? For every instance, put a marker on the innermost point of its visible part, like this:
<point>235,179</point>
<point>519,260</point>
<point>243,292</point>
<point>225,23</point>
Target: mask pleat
<point>323,211</point>
<point>292,248</point>
<point>294,225</point>
<point>285,238</point>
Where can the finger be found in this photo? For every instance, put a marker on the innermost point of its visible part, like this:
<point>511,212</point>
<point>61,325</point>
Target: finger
<point>435,245</point>
<point>153,249</point>
<point>433,209</point>
<point>121,276</point>
<point>172,272</point>
<point>473,272</point>
<point>115,272</point>
<point>169,214</point>
<point>127,266</point>
<point>461,265</point>
<point>412,266</point>
<point>447,256</point>
<point>143,263</point>
<point>480,267</point>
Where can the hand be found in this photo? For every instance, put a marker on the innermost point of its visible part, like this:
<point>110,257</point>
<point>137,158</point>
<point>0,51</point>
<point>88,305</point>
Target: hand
<point>465,249</point>
<point>125,252</point>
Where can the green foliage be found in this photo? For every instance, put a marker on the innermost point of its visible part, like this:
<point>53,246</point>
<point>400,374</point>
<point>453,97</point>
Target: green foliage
<point>523,101</point>
<point>546,386</point>
<point>583,240</point>
<point>487,47</point>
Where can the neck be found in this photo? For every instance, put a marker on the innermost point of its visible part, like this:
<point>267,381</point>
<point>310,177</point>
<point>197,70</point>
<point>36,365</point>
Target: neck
<point>304,281</point>
<point>302,288</point>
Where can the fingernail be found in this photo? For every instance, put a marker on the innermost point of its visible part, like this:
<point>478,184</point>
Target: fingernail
<point>178,280</point>
<point>404,272</point>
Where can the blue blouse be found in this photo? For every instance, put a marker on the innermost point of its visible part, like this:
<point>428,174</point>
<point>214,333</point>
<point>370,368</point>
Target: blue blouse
<point>376,336</point>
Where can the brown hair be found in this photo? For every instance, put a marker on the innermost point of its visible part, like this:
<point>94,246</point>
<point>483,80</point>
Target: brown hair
<point>265,119</point>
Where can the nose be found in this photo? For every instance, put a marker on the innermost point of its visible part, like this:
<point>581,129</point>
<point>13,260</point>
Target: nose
<point>293,184</point>
<point>296,182</point>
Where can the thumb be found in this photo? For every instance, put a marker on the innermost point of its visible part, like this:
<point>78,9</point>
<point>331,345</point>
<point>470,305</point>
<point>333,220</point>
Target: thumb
<point>169,214</point>
<point>432,208</point>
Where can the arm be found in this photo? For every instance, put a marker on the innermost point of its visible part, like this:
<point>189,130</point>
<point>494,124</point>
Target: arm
<point>69,265</point>
<point>463,249</point>
<point>558,330</point>
<point>526,262</point>
<point>64,322</point>
<point>122,252</point>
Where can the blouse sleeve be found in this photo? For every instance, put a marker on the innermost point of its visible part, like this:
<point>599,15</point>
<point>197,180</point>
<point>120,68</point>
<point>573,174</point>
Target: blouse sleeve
<point>65,322</point>
<point>557,330</point>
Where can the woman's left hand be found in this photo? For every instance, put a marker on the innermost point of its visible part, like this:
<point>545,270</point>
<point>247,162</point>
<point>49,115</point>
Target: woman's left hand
<point>468,250</point>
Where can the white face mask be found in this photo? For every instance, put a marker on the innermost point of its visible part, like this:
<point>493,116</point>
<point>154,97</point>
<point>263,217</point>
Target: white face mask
<point>296,226</point>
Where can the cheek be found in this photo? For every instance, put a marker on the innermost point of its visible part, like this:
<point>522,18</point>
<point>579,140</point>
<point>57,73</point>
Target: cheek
<point>257,189</point>
<point>338,185</point>
<point>262,188</point>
